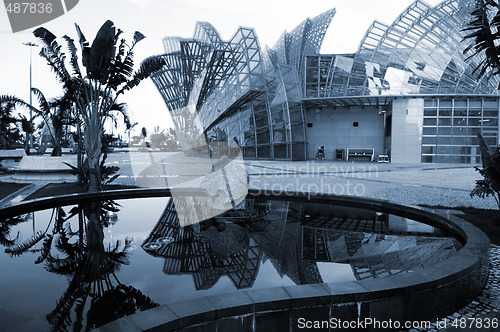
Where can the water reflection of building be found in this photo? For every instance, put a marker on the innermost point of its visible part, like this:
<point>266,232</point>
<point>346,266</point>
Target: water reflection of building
<point>294,237</point>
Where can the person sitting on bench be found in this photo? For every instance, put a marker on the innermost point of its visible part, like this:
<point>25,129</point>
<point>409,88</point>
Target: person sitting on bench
<point>320,155</point>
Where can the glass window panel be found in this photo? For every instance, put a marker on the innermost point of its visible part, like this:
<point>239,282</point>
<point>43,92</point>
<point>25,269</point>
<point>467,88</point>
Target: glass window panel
<point>460,140</point>
<point>281,151</point>
<point>474,131</point>
<point>264,151</point>
<point>459,121</point>
<point>475,103</point>
<point>492,141</point>
<point>476,113</point>
<point>429,149</point>
<point>444,103</point>
<point>460,131</point>
<point>430,121</point>
<point>430,103</point>
<point>295,116</point>
<point>429,130</point>
<point>490,103</point>
<point>279,133</point>
<point>460,112</point>
<point>445,112</point>
<point>444,140</point>
<point>277,115</point>
<point>490,113</point>
<point>460,103</point>
<point>444,131</point>
<point>298,133</point>
<point>458,159</point>
<point>459,149</point>
<point>429,140</point>
<point>249,152</point>
<point>428,159</point>
<point>263,137</point>
<point>298,151</point>
<point>443,149</point>
<point>490,122</point>
<point>430,112</point>
<point>474,122</point>
<point>443,159</point>
<point>444,121</point>
<point>261,120</point>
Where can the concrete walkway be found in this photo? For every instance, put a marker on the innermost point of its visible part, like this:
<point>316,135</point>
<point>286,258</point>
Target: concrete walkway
<point>446,185</point>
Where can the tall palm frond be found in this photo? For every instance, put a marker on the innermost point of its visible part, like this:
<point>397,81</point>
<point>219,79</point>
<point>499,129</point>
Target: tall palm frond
<point>21,248</point>
<point>147,67</point>
<point>74,56</point>
<point>490,183</point>
<point>53,54</point>
<point>483,30</point>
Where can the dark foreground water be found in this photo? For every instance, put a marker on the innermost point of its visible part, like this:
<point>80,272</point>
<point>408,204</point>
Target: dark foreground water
<point>85,265</point>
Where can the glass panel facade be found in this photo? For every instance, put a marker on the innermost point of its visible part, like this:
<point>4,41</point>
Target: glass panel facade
<point>451,125</point>
<point>233,92</point>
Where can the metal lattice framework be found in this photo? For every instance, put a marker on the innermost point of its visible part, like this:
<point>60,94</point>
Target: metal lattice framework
<point>421,52</point>
<point>235,93</point>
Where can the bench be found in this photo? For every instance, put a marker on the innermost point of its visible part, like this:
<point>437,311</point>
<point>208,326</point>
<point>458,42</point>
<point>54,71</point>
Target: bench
<point>360,152</point>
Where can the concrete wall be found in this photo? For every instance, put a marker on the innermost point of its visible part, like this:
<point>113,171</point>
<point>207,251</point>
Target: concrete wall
<point>407,122</point>
<point>334,129</point>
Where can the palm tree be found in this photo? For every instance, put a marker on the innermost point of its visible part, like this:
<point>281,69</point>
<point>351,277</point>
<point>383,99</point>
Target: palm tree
<point>27,127</point>
<point>109,73</point>
<point>484,31</point>
<point>55,114</point>
<point>90,268</point>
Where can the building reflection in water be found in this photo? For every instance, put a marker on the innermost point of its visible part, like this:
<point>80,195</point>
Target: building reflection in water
<point>294,237</point>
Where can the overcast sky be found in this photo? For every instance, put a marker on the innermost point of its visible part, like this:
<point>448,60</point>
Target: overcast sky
<point>159,18</point>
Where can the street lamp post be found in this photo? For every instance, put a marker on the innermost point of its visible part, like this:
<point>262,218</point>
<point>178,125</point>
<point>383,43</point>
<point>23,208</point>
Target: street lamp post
<point>30,44</point>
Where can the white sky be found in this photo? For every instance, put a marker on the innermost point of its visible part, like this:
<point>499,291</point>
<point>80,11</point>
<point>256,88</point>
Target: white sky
<point>160,18</point>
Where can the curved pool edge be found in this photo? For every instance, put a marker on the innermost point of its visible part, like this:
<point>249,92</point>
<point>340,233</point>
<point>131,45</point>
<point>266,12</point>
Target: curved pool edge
<point>424,294</point>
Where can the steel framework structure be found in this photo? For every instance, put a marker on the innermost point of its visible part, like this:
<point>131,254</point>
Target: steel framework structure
<point>233,92</point>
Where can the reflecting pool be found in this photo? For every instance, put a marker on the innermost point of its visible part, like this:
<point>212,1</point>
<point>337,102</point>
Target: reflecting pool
<point>81,266</point>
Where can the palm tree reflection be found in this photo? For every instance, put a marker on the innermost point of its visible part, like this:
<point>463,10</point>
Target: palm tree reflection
<point>89,265</point>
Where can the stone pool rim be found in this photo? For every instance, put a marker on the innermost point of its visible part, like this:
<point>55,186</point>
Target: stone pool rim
<point>426,293</point>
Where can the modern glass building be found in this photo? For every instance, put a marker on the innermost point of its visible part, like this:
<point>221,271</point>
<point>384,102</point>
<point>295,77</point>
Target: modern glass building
<point>408,92</point>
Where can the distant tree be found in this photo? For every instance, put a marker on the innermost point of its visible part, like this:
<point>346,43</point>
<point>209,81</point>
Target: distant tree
<point>9,131</point>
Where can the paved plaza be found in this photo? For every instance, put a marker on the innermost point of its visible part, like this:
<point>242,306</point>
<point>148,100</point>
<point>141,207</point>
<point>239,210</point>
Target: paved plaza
<point>441,185</point>
<point>446,185</point>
